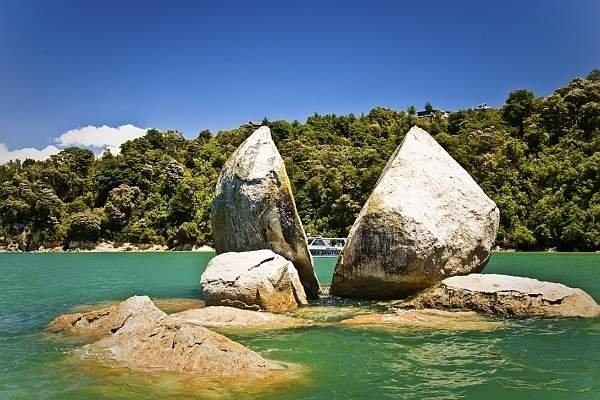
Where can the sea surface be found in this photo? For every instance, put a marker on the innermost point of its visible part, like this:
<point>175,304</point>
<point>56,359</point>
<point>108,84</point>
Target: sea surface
<point>526,359</point>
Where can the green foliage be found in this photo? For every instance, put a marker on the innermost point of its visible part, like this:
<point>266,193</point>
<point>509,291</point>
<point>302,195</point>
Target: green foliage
<point>83,227</point>
<point>537,158</point>
<point>519,106</point>
<point>594,75</point>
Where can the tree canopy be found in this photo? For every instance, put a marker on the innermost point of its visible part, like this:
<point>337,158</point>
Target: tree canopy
<point>538,158</point>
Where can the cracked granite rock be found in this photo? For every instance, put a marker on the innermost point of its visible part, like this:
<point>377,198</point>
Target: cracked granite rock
<point>426,220</point>
<point>507,296</point>
<point>254,207</point>
<point>253,280</point>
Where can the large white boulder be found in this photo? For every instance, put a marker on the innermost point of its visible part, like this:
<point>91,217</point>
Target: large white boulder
<point>253,280</point>
<point>506,295</point>
<point>254,207</point>
<point>426,220</point>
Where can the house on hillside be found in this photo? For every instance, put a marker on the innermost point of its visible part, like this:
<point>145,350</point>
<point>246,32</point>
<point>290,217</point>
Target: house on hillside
<point>432,112</point>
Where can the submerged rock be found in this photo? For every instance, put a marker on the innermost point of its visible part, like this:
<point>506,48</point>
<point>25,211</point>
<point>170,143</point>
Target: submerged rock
<point>173,345</point>
<point>253,280</point>
<point>254,207</point>
<point>136,311</point>
<point>332,313</point>
<point>429,319</point>
<point>426,220</point>
<point>230,317</point>
<point>168,305</point>
<point>506,295</point>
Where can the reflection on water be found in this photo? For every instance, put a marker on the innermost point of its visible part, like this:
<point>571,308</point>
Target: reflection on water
<point>110,380</point>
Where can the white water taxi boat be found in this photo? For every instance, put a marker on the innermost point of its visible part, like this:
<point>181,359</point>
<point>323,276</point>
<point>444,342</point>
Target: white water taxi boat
<point>325,247</point>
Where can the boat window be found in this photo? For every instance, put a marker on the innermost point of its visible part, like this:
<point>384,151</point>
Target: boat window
<point>318,242</point>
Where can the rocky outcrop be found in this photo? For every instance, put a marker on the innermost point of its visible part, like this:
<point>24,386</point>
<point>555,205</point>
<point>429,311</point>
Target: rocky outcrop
<point>427,319</point>
<point>139,335</point>
<point>253,280</point>
<point>506,295</point>
<point>254,208</point>
<point>136,311</point>
<point>174,345</point>
<point>426,220</point>
<point>230,317</point>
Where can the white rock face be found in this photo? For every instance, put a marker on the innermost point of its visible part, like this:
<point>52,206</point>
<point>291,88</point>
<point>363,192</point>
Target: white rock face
<point>253,280</point>
<point>426,220</point>
<point>254,207</point>
<point>507,295</point>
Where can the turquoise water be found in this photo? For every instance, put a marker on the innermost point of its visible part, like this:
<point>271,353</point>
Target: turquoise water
<point>528,359</point>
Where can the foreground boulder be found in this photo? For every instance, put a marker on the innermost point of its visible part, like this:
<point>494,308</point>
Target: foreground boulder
<point>253,280</point>
<point>426,220</point>
<point>230,317</point>
<point>138,334</point>
<point>136,311</point>
<point>254,208</point>
<point>173,345</point>
<point>508,296</point>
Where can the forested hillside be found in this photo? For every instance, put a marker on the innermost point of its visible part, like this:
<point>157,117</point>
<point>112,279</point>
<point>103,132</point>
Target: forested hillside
<point>538,158</point>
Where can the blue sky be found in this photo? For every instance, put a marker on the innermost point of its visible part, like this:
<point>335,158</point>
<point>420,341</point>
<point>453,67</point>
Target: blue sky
<point>191,65</point>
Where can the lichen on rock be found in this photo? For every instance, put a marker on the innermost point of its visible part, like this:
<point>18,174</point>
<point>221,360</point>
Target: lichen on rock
<point>426,219</point>
<point>254,207</point>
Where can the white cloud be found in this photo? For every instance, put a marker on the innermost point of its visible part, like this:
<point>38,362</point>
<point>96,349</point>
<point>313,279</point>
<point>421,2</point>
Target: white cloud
<point>100,137</point>
<point>29,152</point>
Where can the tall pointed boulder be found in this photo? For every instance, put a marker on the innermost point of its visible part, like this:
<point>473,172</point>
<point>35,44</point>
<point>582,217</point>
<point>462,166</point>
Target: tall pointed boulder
<point>254,207</point>
<point>426,220</point>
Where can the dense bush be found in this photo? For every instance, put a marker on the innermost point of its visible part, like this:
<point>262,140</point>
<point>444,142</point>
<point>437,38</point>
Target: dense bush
<point>538,158</point>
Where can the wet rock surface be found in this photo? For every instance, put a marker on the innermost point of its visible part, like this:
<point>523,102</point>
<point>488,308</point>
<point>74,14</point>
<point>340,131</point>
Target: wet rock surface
<point>230,317</point>
<point>426,220</point>
<point>173,345</point>
<point>427,319</point>
<point>254,207</point>
<point>137,334</point>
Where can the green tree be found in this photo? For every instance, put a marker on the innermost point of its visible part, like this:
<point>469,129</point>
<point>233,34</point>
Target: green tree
<point>519,106</point>
<point>594,75</point>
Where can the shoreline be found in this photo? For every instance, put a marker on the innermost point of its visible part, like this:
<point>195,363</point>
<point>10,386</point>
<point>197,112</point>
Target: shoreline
<point>108,247</point>
<point>207,249</point>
